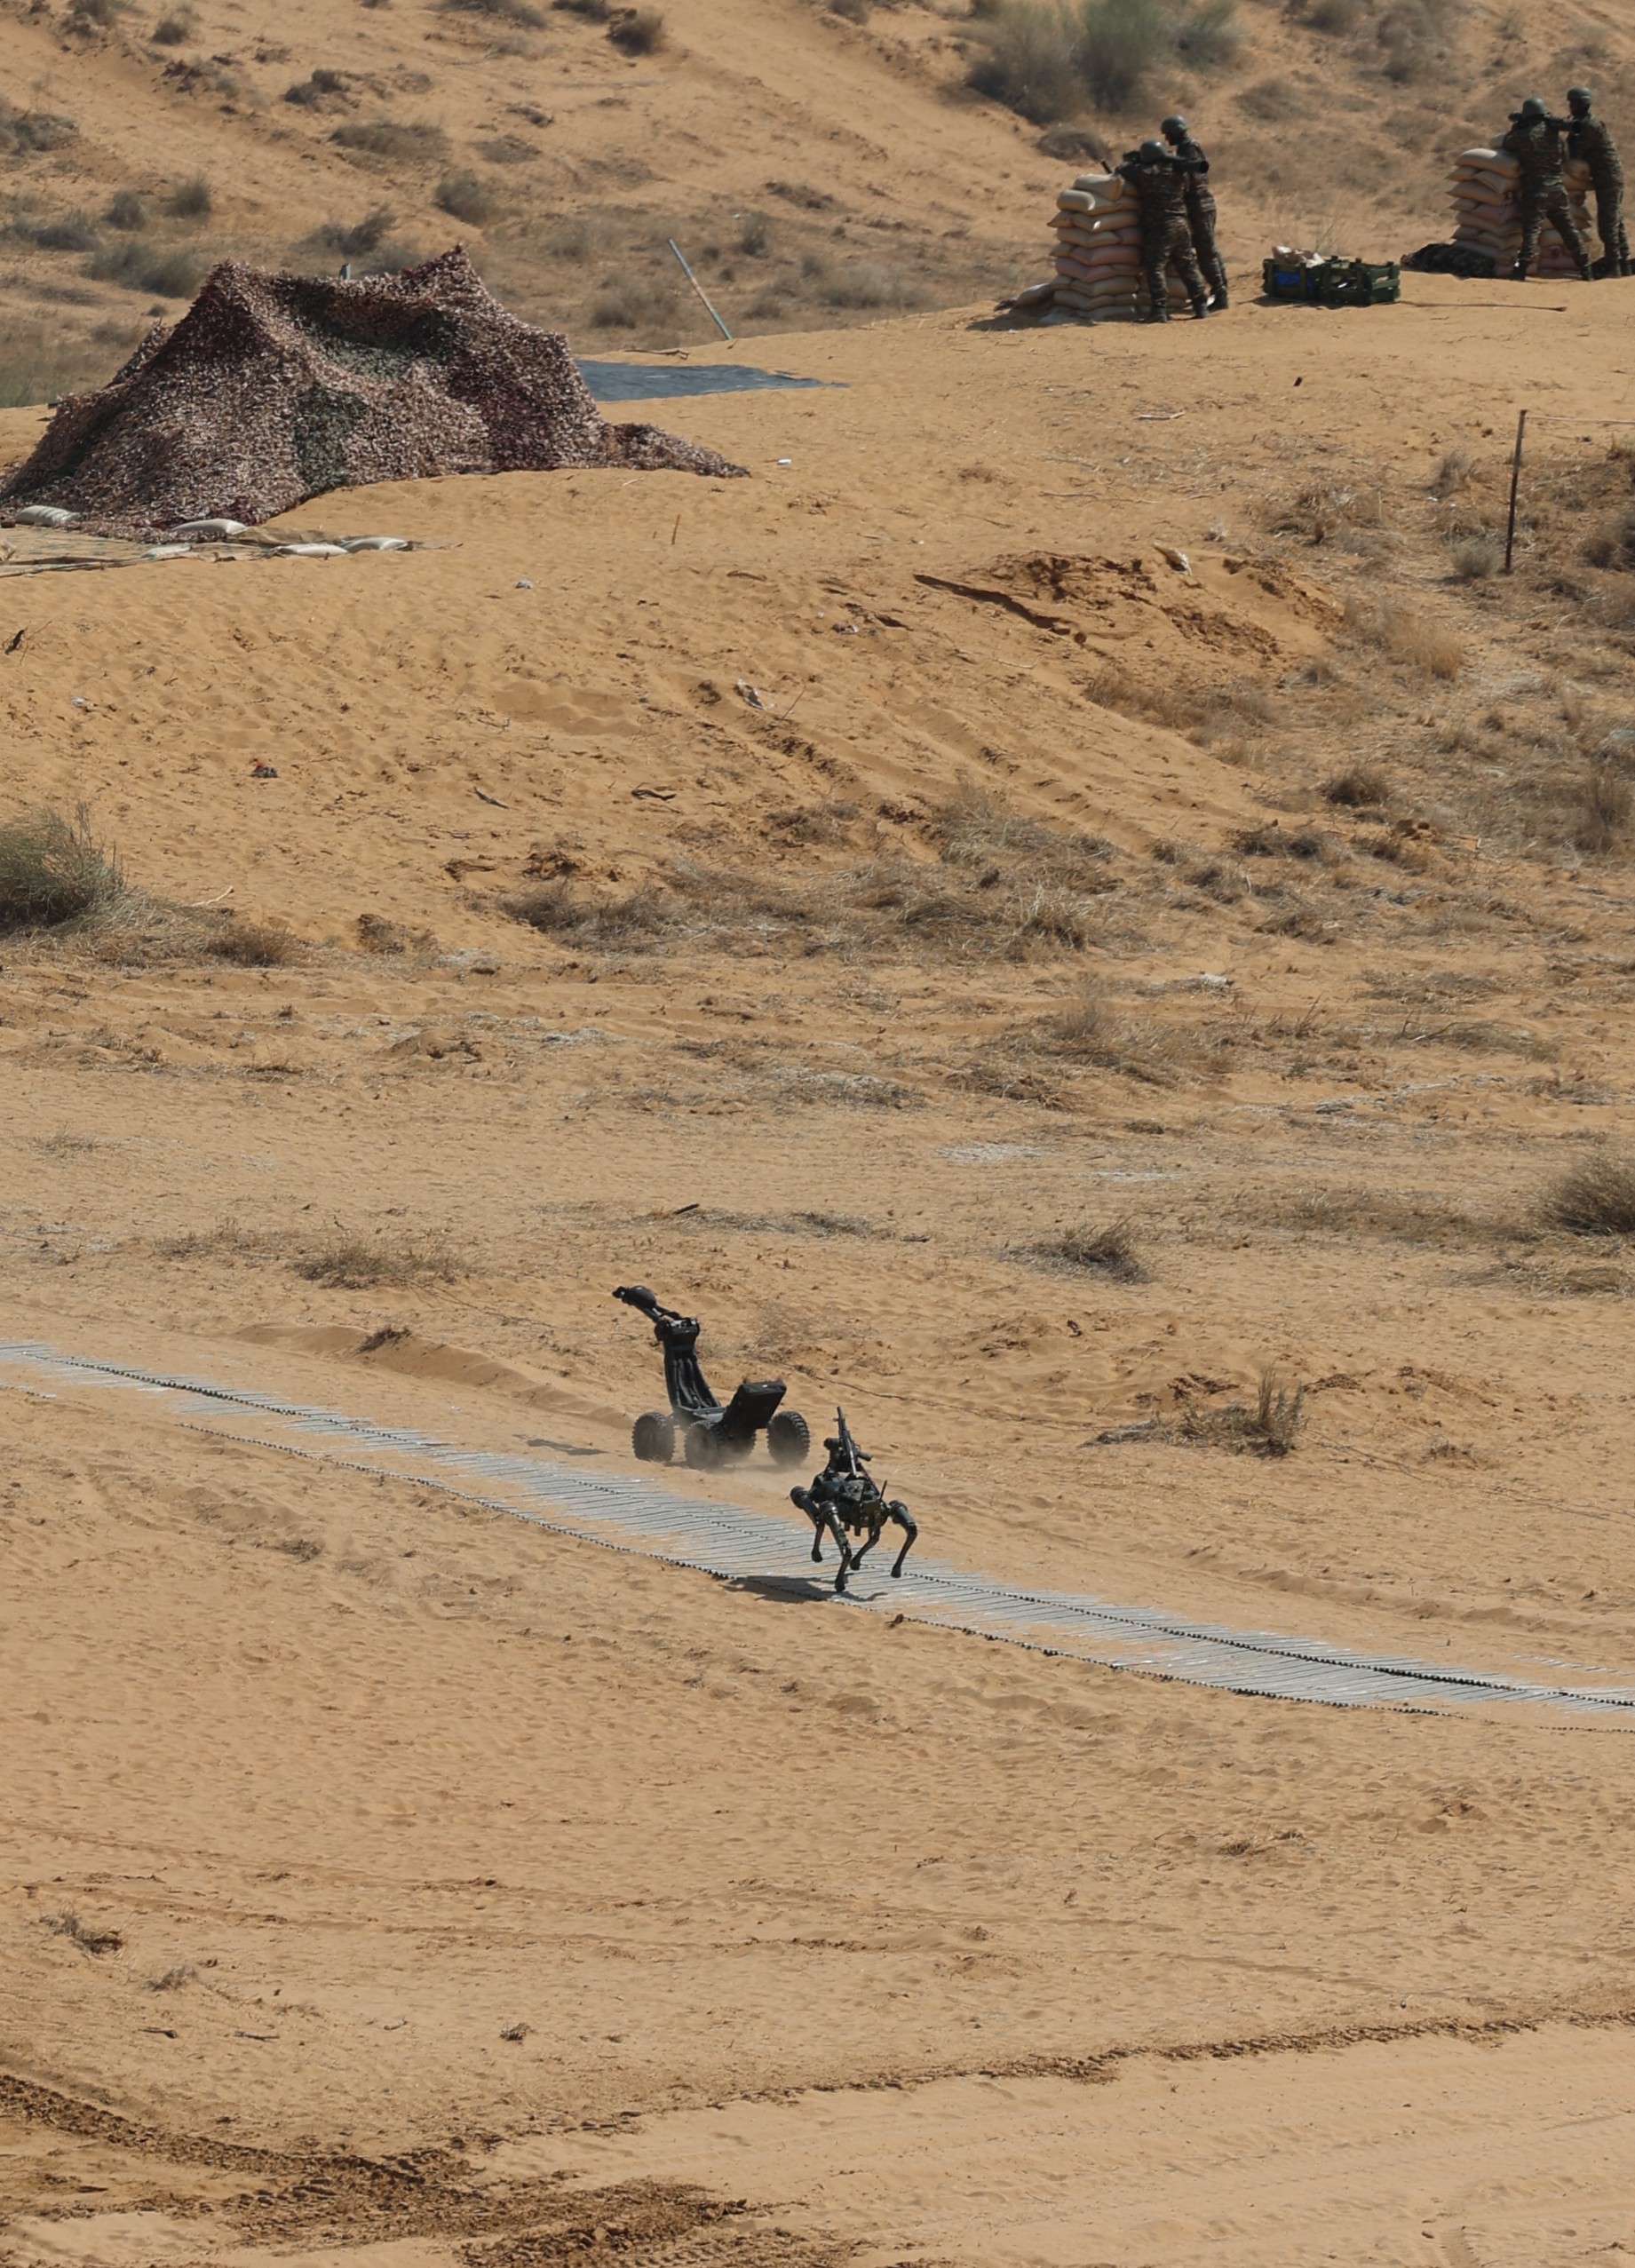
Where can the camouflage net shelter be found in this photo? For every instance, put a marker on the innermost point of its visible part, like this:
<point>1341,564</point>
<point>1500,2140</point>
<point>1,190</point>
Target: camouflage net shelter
<point>273,388</point>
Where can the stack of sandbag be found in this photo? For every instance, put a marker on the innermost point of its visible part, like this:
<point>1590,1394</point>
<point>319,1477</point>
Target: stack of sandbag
<point>1487,211</point>
<point>1097,226</point>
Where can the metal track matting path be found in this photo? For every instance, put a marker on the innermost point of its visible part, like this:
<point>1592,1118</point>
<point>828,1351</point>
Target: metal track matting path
<point>631,1513</point>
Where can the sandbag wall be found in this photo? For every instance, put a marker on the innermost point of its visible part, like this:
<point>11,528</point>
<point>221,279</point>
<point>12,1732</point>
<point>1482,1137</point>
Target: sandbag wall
<point>1098,271</point>
<point>1487,199</point>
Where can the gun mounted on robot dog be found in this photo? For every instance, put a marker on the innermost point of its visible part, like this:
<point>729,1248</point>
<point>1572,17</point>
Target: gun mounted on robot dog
<point>847,1501</point>
<point>711,1434</point>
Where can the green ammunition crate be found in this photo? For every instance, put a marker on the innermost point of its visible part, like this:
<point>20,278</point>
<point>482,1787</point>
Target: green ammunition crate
<point>1298,285</point>
<point>1361,283</point>
<point>1334,283</point>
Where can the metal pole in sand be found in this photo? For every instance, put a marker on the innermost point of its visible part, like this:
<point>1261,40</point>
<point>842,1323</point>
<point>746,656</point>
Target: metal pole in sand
<point>699,288</point>
<point>1515,483</point>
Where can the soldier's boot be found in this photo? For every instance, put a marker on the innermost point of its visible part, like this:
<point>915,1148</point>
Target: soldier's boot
<point>1200,308</point>
<point>1158,315</point>
<point>1586,272</point>
<point>1221,301</point>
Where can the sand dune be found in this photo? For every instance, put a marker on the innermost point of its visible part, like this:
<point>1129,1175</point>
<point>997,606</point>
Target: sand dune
<point>370,1862</point>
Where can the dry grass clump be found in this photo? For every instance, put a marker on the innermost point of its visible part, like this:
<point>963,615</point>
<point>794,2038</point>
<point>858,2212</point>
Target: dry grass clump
<point>1402,1215</point>
<point>1474,558</point>
<point>258,945</point>
<point>68,1924</point>
<point>637,31</point>
<point>1090,1032</point>
<point>634,923</point>
<point>1111,1251</point>
<point>192,199</point>
<point>1420,646</point>
<point>349,1263</point>
<point>1004,886</point>
<point>1360,786</point>
<point>1596,1198</point>
<point>1050,59</point>
<point>174,30</point>
<point>1601,807</point>
<point>505,12</point>
<point>126,210</point>
<point>69,232</point>
<point>141,266</point>
<point>54,870</point>
<point>465,197</point>
<point>27,133</point>
<point>376,934</point>
<point>405,139</point>
<point>1270,1428</point>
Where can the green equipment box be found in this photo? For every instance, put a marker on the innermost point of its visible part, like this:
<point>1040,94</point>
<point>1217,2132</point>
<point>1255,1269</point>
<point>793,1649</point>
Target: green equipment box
<point>1334,283</point>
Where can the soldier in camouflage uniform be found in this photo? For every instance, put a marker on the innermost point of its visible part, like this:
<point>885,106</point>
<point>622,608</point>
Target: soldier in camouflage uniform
<point>1158,180</point>
<point>1589,138</point>
<point>1535,141</point>
<point>1200,207</point>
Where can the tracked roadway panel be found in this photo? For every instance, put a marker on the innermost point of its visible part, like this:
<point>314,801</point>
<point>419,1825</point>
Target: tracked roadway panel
<point>631,1513</point>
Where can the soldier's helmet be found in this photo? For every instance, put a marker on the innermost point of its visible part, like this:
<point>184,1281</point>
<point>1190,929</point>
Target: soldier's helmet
<point>1580,98</point>
<point>1151,151</point>
<point>1174,127</point>
<point>1533,107</point>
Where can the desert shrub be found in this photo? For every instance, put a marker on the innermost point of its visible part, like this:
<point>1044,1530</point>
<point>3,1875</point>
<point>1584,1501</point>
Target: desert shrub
<point>1613,545</point>
<point>191,200</point>
<point>95,15</point>
<point>73,231</point>
<point>363,236</point>
<point>1073,146</point>
<point>54,870</point>
<point>1028,59</point>
<point>143,267</point>
<point>864,283</point>
<point>1408,636</point>
<point>1333,15</point>
<point>557,909</point>
<point>258,945</point>
<point>855,11</point>
<point>1357,789</point>
<point>509,149</point>
<point>1120,43</point>
<point>632,304</point>
<point>26,133</point>
<point>1279,1416</point>
<point>1454,472</point>
<point>174,275</point>
<point>1205,33</point>
<point>1474,558</point>
<point>317,90</point>
<point>1596,1198</point>
<point>1601,810</point>
<point>754,234</point>
<point>637,31</point>
<point>465,198</point>
<point>356,1263</point>
<point>508,12</point>
<point>395,137</point>
<point>587,236</point>
<point>173,30</point>
<point>126,210</point>
<point>1111,1251</point>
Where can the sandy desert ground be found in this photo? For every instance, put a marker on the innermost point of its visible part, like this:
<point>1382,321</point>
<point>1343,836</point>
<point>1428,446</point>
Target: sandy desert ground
<point>1151,813</point>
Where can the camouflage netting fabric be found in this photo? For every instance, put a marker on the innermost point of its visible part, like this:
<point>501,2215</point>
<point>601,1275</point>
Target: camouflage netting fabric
<point>272,388</point>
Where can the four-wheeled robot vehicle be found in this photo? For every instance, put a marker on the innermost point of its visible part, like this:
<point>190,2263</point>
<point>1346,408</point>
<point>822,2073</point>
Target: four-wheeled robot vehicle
<point>709,1434</point>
